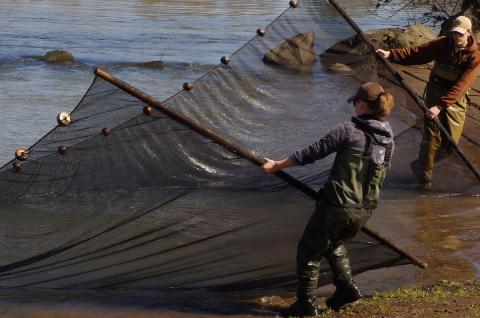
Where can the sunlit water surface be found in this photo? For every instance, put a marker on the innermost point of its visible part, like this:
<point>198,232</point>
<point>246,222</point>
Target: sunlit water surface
<point>189,36</point>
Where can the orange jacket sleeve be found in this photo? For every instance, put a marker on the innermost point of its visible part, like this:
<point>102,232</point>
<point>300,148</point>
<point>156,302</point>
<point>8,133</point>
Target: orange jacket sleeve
<point>421,54</point>
<point>442,50</point>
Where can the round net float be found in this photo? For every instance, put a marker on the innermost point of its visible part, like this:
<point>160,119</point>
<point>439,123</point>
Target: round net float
<point>225,60</point>
<point>261,32</point>
<point>105,131</point>
<point>62,149</point>
<point>147,110</point>
<point>294,3</point>
<point>21,154</point>
<point>63,119</point>
<point>17,166</point>
<point>187,86</point>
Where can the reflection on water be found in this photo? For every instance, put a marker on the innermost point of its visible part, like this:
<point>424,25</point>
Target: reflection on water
<point>129,304</point>
<point>441,230</point>
<point>449,225</point>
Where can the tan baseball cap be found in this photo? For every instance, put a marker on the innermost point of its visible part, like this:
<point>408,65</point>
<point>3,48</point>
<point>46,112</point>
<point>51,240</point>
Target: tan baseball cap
<point>368,91</point>
<point>461,24</point>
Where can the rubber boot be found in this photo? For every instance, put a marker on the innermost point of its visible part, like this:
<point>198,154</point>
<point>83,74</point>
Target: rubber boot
<point>303,307</point>
<point>307,283</point>
<point>346,291</point>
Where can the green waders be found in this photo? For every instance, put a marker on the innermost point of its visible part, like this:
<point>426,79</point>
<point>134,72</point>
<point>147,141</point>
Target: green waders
<point>434,147</point>
<point>324,235</point>
<point>344,206</point>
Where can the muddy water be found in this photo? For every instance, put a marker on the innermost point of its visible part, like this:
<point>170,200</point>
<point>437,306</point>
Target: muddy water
<point>189,36</point>
<point>441,230</point>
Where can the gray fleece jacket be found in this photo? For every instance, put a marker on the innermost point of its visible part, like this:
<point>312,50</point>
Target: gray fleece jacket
<point>346,139</point>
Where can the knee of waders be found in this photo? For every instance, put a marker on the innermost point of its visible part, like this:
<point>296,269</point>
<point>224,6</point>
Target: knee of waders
<point>308,268</point>
<point>339,251</point>
<point>339,264</point>
<point>444,152</point>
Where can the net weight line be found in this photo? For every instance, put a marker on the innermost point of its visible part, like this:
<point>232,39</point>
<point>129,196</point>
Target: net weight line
<point>405,85</point>
<point>237,149</point>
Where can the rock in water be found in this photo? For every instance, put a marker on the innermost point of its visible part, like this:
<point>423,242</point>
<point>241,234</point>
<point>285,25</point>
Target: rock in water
<point>353,56</point>
<point>414,35</point>
<point>296,52</point>
<point>153,64</point>
<point>59,57</point>
<point>339,68</point>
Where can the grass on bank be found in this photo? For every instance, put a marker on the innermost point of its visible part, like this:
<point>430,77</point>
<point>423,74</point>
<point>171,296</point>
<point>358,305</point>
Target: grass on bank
<point>446,299</point>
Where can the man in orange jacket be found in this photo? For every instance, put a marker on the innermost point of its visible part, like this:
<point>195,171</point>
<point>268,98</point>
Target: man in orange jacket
<point>457,63</point>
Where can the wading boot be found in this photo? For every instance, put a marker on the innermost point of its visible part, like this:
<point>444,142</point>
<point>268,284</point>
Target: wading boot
<point>346,291</point>
<point>421,184</point>
<point>301,308</point>
<point>307,271</point>
<point>344,294</point>
<point>416,170</point>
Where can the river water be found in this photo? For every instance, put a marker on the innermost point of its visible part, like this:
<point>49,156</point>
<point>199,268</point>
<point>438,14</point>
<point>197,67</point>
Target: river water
<point>189,36</point>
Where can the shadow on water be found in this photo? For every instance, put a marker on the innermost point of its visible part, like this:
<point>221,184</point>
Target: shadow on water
<point>139,303</point>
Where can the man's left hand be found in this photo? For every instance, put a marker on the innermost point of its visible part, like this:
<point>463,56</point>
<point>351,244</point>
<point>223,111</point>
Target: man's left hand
<point>432,112</point>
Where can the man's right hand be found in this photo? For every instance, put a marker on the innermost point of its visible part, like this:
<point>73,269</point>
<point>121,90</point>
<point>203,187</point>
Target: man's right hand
<point>385,54</point>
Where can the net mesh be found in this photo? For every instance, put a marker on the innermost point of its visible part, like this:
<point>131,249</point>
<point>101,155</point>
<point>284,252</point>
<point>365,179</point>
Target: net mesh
<point>154,204</point>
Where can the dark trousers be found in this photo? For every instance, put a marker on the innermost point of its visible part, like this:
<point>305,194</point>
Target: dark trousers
<point>327,230</point>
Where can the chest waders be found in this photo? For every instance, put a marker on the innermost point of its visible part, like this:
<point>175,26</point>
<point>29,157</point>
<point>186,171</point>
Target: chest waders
<point>358,177</point>
<point>432,149</point>
<point>346,203</point>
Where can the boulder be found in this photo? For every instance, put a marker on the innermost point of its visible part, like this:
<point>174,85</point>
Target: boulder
<point>59,57</point>
<point>152,64</point>
<point>414,35</point>
<point>354,53</point>
<point>297,52</point>
<point>339,68</point>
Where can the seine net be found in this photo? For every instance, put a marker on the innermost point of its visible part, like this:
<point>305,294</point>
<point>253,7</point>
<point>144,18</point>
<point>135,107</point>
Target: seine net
<point>150,203</point>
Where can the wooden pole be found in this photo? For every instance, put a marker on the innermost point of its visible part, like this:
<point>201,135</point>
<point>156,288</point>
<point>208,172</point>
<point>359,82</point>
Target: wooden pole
<point>405,85</point>
<point>245,153</point>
